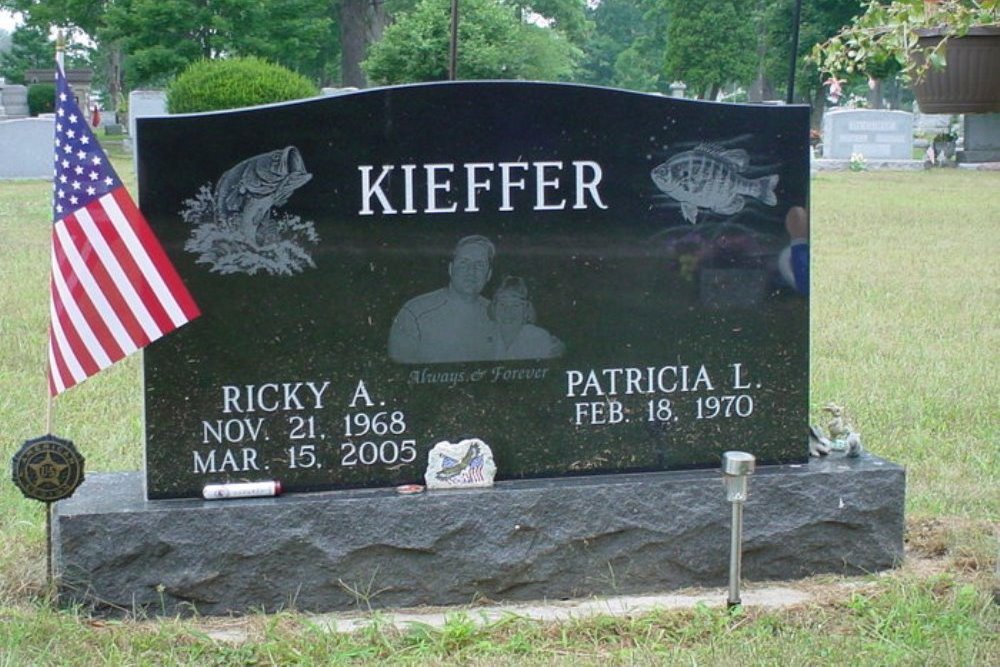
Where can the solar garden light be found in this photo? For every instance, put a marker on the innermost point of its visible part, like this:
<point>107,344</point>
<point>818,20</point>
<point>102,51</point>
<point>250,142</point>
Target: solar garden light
<point>736,466</point>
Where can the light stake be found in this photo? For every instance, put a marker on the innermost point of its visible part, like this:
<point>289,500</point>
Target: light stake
<point>736,466</point>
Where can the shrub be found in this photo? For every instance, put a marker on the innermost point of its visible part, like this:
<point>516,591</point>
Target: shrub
<point>41,98</point>
<point>210,85</point>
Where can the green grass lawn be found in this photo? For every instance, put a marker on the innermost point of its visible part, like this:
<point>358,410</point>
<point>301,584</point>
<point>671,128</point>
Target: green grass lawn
<point>905,334</point>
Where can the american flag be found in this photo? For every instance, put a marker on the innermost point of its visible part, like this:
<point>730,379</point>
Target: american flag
<point>113,288</point>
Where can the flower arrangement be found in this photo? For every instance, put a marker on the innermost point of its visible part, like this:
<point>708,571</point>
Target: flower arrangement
<point>858,162</point>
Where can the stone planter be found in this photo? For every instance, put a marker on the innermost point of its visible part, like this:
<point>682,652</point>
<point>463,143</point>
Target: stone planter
<point>970,82</point>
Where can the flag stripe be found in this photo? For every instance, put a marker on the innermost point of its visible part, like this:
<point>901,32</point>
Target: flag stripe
<point>105,280</point>
<point>95,282</point>
<point>107,284</point>
<point>65,374</point>
<point>75,346</point>
<point>87,284</point>
<point>161,274</point>
<point>105,261</point>
<point>64,303</point>
<point>57,371</point>
<point>91,318</point>
<point>116,227</point>
<point>72,364</point>
<point>53,389</point>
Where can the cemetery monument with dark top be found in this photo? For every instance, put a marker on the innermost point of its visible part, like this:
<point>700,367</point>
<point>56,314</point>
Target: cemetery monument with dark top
<point>584,279</point>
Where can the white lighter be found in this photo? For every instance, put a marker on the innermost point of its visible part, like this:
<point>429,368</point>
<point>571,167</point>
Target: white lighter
<point>241,490</point>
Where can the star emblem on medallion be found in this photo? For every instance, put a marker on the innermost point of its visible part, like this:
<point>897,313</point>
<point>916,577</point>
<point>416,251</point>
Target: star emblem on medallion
<point>48,468</point>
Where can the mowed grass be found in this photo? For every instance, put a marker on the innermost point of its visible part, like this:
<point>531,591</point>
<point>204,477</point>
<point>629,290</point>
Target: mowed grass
<point>904,333</point>
<point>906,326</point>
<point>936,621</point>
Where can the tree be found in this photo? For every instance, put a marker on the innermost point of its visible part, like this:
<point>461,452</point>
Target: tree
<point>30,48</point>
<point>161,37</point>
<point>707,44</point>
<point>494,43</point>
<point>618,24</point>
<point>567,16</point>
<point>83,15</point>
<point>152,40</point>
<point>77,18</point>
<point>362,23</point>
<point>639,67</point>
<point>820,19</point>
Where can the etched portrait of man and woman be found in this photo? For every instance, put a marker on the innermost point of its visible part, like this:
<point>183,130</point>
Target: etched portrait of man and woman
<point>458,323</point>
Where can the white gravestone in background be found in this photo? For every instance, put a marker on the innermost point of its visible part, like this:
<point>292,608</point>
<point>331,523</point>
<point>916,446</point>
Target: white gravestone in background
<point>873,133</point>
<point>26,148</point>
<point>13,101</point>
<point>143,103</point>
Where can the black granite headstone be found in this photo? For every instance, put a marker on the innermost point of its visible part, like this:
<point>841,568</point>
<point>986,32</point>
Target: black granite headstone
<point>585,279</point>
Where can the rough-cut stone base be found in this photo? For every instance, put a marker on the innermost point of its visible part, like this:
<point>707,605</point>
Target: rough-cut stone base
<point>521,540</point>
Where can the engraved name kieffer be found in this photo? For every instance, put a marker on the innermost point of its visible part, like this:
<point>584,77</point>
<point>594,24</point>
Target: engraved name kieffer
<point>409,189</point>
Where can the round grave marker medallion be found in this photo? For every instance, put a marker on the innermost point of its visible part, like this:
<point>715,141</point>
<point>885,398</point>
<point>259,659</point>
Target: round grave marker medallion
<point>47,468</point>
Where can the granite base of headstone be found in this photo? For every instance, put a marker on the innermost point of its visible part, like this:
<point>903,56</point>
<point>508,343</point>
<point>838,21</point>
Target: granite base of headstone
<point>982,138</point>
<point>117,553</point>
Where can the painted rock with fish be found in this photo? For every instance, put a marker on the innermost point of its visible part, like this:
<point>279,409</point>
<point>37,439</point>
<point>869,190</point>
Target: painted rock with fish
<point>710,178</point>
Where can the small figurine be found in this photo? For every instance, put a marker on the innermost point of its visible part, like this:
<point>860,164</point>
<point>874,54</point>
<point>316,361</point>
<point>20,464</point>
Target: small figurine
<point>843,437</point>
<point>838,427</point>
<point>819,445</point>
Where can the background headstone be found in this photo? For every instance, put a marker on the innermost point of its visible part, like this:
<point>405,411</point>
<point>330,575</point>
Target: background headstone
<point>143,104</point>
<point>931,123</point>
<point>982,138</point>
<point>876,134</point>
<point>26,148</point>
<point>13,102</point>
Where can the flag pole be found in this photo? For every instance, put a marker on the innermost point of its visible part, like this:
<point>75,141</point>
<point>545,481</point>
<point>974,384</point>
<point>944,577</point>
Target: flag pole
<point>60,50</point>
<point>49,566</point>
<point>60,63</point>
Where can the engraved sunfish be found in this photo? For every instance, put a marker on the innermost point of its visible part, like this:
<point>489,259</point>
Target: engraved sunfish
<point>709,177</point>
<point>245,195</point>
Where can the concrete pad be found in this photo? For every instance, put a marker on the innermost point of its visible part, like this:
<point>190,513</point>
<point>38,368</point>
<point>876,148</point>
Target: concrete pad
<point>561,611</point>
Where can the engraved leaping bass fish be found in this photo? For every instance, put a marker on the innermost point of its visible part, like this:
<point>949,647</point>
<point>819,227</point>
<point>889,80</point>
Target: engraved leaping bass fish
<point>245,195</point>
<point>457,468</point>
<point>709,177</point>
